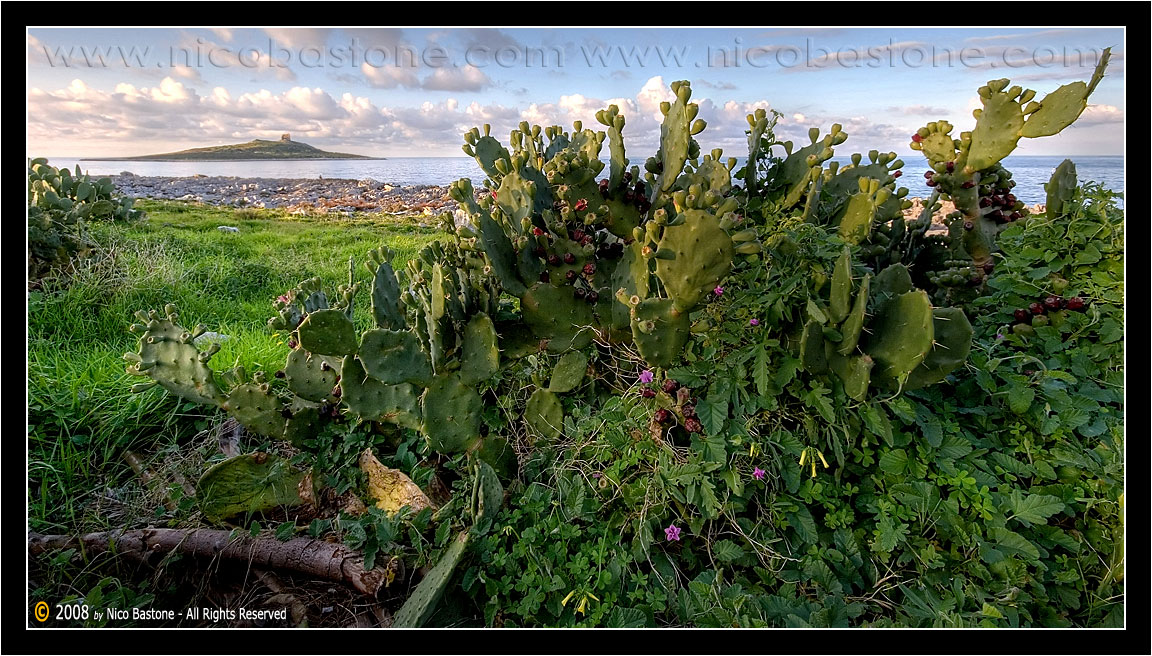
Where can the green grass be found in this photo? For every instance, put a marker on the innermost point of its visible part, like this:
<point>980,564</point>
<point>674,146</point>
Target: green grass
<point>81,414</point>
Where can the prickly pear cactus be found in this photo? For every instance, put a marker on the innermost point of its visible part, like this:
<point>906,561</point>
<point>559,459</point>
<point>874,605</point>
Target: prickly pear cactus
<point>422,603</point>
<point>250,483</point>
<point>168,355</point>
<point>1060,187</point>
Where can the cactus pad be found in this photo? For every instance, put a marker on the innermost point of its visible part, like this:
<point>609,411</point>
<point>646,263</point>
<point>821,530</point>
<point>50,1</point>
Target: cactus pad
<point>556,315</point>
<point>660,331</point>
<point>568,372</point>
<point>480,356</point>
<point>168,355</point>
<point>310,376</point>
<point>703,256</point>
<point>250,483</point>
<point>422,604</point>
<point>545,414</point>
<point>328,332</point>
<point>952,334</point>
<point>451,415</point>
<point>901,337</point>
<point>394,357</point>
<point>372,400</point>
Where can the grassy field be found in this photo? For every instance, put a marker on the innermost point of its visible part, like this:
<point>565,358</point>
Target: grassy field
<point>81,414</point>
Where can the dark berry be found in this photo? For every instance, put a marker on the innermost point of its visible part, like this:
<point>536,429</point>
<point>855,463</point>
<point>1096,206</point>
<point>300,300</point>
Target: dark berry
<point>1076,304</point>
<point>627,176</point>
<point>570,275</point>
<point>1011,199</point>
<point>554,260</point>
<point>968,225</point>
<point>1053,303</point>
<point>579,293</point>
<point>689,410</point>
<point>670,386</point>
<point>1021,315</point>
<point>538,251</point>
<point>291,343</point>
<point>1036,308</point>
<point>931,183</point>
<point>968,185</point>
<point>693,425</point>
<point>537,231</point>
<point>897,174</point>
<point>662,416</point>
<point>917,138</point>
<point>989,266</point>
<point>577,235</point>
<point>629,196</point>
<point>951,166</point>
<point>336,391</point>
<point>586,240</point>
<point>985,202</point>
<point>647,392</point>
<point>589,269</point>
<point>928,175</point>
<point>569,258</point>
<point>996,215</point>
<point>1015,216</point>
<point>592,297</point>
<point>544,277</point>
<point>604,184</point>
<point>280,374</point>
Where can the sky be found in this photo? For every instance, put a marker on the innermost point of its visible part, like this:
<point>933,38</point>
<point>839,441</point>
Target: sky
<point>413,92</point>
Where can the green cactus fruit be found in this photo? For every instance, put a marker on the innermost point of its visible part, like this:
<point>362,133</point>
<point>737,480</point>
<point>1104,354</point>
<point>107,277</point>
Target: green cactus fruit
<point>840,297</point>
<point>556,315</point>
<point>328,332</point>
<point>393,357</point>
<point>1060,187</point>
<point>852,327</point>
<point>451,413</point>
<point>168,355</point>
<point>900,337</point>
<point>703,257</point>
<point>568,372</point>
<point>488,497</point>
<point>419,607</point>
<point>310,376</point>
<point>498,452</point>
<point>545,414</point>
<point>386,308</point>
<point>891,282</point>
<point>854,371</point>
<point>251,483</point>
<point>812,351</point>
<point>660,331</point>
<point>304,423</point>
<point>952,334</point>
<point>487,151</point>
<point>480,355</point>
<point>257,408</point>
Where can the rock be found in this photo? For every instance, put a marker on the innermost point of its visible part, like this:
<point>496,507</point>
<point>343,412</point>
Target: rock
<point>227,229</point>
<point>211,337</point>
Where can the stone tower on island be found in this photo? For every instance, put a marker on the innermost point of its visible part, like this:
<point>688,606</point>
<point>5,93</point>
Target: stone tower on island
<point>287,136</point>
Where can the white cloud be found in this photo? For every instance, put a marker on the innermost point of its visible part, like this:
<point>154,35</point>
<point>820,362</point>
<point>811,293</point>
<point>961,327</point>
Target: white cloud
<point>465,78</point>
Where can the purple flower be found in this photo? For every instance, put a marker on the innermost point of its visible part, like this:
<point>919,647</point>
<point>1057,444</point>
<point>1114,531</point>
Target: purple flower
<point>646,376</point>
<point>595,474</point>
<point>753,322</point>
<point>673,533</point>
<point>758,474</point>
<point>999,336</point>
<point>719,291</point>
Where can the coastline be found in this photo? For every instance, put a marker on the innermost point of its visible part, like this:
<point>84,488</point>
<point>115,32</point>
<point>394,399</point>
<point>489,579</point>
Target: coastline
<point>236,159</point>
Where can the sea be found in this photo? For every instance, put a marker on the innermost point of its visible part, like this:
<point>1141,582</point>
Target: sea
<point>1030,172</point>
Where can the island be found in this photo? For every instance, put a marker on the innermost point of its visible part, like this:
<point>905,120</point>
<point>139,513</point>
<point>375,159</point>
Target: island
<point>257,149</point>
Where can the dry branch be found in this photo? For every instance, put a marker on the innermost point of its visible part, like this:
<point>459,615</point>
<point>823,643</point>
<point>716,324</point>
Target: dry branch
<point>325,560</point>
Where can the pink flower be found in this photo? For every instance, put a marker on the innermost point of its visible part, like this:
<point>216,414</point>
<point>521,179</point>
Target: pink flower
<point>753,322</point>
<point>672,533</point>
<point>719,291</point>
<point>646,376</point>
<point>758,474</point>
<point>493,195</point>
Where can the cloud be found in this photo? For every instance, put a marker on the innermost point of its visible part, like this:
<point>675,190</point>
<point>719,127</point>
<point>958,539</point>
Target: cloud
<point>299,37</point>
<point>465,78</point>
<point>719,86</point>
<point>1027,35</point>
<point>223,32</point>
<point>918,110</point>
<point>1100,114</point>
<point>390,77</point>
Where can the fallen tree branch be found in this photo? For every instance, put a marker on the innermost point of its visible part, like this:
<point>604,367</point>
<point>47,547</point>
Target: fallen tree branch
<point>333,562</point>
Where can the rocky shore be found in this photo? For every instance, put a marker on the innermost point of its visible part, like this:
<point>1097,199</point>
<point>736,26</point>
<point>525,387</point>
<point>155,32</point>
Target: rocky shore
<point>301,196</point>
<point>320,196</point>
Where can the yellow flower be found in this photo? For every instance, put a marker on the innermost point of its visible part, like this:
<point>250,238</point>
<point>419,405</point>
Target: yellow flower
<point>565,602</point>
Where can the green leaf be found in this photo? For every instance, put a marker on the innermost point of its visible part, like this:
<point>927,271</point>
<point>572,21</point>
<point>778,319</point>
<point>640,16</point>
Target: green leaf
<point>1014,543</point>
<point>760,372</point>
<point>929,425</point>
<point>805,526</point>
<point>286,531</point>
<point>786,372</point>
<point>1020,398</point>
<point>727,551</point>
<point>1034,508</point>
<point>876,420</point>
<point>626,618</point>
<point>816,313</point>
<point>712,415</point>
<point>894,462</point>
<point>1087,255</point>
